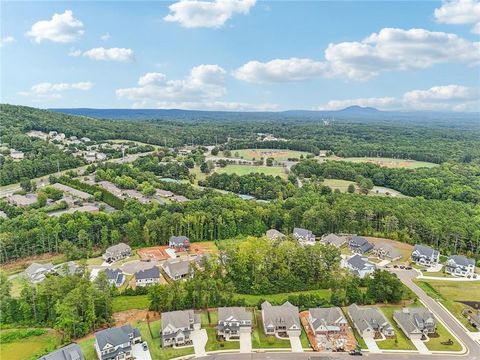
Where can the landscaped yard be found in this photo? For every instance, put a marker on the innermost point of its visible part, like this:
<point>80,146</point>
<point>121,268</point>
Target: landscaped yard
<point>400,342</point>
<point>27,343</point>
<point>261,341</point>
<point>278,299</point>
<point>122,303</point>
<point>442,335</point>
<point>450,292</point>
<point>389,162</point>
<point>247,169</point>
<point>277,154</point>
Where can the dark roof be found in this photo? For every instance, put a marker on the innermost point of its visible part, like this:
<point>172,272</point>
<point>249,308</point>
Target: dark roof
<point>361,243</point>
<point>461,260</point>
<point>69,352</point>
<point>178,240</point>
<point>425,250</point>
<point>152,273</point>
<point>302,232</point>
<point>114,336</point>
<point>115,275</point>
<point>358,262</point>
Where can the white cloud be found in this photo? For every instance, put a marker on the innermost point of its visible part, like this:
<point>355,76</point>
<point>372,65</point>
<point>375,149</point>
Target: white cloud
<point>7,40</point>
<point>388,50</point>
<point>208,14</point>
<point>62,28</point>
<point>281,70</point>
<point>105,37</point>
<point>207,105</point>
<point>111,54</point>
<point>460,12</point>
<point>74,52</point>
<point>446,97</point>
<point>204,82</point>
<point>48,91</point>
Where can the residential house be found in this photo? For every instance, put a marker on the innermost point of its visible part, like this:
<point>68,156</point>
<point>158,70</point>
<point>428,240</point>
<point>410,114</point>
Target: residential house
<point>164,193</point>
<point>180,243</point>
<point>360,265</point>
<point>177,269</point>
<point>425,255</point>
<point>416,323</point>
<point>69,352</point>
<point>274,234</point>
<point>303,236</point>
<point>232,321</point>
<point>147,277</point>
<point>326,321</point>
<point>177,327</point>
<point>179,199</point>
<point>37,272</point>
<point>137,195</point>
<point>280,320</point>
<point>474,319</point>
<point>370,322</point>
<point>116,343</point>
<point>115,277</point>
<point>22,200</point>
<point>117,252</point>
<point>68,268</point>
<point>333,239</point>
<point>16,155</point>
<point>459,265</point>
<point>386,252</point>
<point>360,245</point>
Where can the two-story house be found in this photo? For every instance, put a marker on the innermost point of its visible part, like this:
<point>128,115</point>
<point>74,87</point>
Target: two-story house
<point>303,236</point>
<point>327,321</point>
<point>115,277</point>
<point>232,321</point>
<point>425,255</point>
<point>416,323</point>
<point>179,243</point>
<point>386,252</point>
<point>360,245</point>
<point>177,269</point>
<point>69,352</point>
<point>147,277</point>
<point>117,252</point>
<point>334,240</point>
<point>116,343</point>
<point>36,273</point>
<point>177,327</point>
<point>459,265</point>
<point>370,322</point>
<point>359,265</point>
<point>281,320</point>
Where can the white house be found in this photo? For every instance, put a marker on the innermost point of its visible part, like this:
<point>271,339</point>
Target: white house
<point>116,343</point>
<point>359,266</point>
<point>232,321</point>
<point>147,277</point>
<point>281,320</point>
<point>459,265</point>
<point>177,327</point>
<point>304,236</point>
<point>370,322</point>
<point>425,255</point>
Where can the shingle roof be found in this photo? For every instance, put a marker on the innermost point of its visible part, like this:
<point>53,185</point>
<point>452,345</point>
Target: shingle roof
<point>461,260</point>
<point>358,262</point>
<point>301,232</point>
<point>35,267</point>
<point>118,248</point>
<point>334,239</point>
<point>283,315</point>
<point>152,273</point>
<point>69,352</point>
<point>114,336</point>
<point>115,275</point>
<point>177,319</point>
<point>177,267</point>
<point>361,243</point>
<point>425,250</point>
<point>412,319</point>
<point>233,313</point>
<point>274,234</point>
<point>332,315</point>
<point>364,318</point>
<point>389,249</point>
<point>178,240</point>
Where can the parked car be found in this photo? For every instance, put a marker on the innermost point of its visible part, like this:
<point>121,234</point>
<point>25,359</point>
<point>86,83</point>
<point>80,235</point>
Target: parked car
<point>355,352</point>
<point>395,266</point>
<point>402,266</point>
<point>408,268</point>
<point>144,346</point>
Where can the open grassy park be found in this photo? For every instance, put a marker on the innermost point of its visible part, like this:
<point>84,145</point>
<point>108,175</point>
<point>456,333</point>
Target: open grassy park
<point>389,162</point>
<point>247,169</point>
<point>276,154</point>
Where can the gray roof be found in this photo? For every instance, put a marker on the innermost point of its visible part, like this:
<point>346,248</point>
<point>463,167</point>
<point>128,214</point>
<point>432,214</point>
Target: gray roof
<point>69,352</point>
<point>332,315</point>
<point>115,275</point>
<point>358,262</point>
<point>302,232</point>
<point>283,315</point>
<point>177,267</point>
<point>425,250</point>
<point>273,234</point>
<point>118,249</point>
<point>178,319</point>
<point>178,240</point>
<point>35,267</point>
<point>152,273</point>
<point>412,320</point>
<point>360,243</point>
<point>68,268</point>
<point>334,239</point>
<point>364,318</point>
<point>233,314</point>
<point>114,336</point>
<point>389,249</point>
<point>461,260</point>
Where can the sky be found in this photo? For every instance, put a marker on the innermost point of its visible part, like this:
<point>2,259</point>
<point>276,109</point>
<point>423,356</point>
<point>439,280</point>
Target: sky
<point>241,55</point>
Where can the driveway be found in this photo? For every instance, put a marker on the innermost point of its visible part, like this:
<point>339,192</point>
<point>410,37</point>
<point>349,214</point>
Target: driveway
<point>372,345</point>
<point>421,347</point>
<point>139,353</point>
<point>199,339</point>
<point>245,342</point>
<point>296,344</point>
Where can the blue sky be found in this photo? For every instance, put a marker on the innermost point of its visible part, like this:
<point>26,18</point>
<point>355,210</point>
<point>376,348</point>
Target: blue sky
<point>242,54</point>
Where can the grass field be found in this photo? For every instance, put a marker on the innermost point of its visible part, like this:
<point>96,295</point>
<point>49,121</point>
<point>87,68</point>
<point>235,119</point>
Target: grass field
<point>342,185</point>
<point>247,169</point>
<point>122,303</point>
<point>390,162</point>
<point>449,293</point>
<point>276,154</point>
<point>252,300</point>
<point>30,347</point>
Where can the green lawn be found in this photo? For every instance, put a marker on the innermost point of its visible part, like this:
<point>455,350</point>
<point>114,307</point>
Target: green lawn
<point>261,341</point>
<point>28,348</point>
<point>389,162</point>
<point>342,185</point>
<point>247,169</point>
<point>277,154</point>
<point>122,303</point>
<point>278,299</point>
<point>400,342</point>
<point>213,344</point>
<point>17,284</point>
<point>87,348</point>
<point>442,335</point>
<point>449,292</point>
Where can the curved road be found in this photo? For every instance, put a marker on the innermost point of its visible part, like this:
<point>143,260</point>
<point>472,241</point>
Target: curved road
<point>406,276</point>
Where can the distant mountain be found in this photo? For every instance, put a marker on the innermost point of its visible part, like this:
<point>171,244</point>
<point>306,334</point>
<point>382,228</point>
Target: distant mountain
<point>355,109</point>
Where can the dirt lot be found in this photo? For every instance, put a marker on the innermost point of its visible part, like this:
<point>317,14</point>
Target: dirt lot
<point>131,316</point>
<point>206,247</point>
<point>22,264</point>
<point>154,253</point>
<point>404,248</point>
